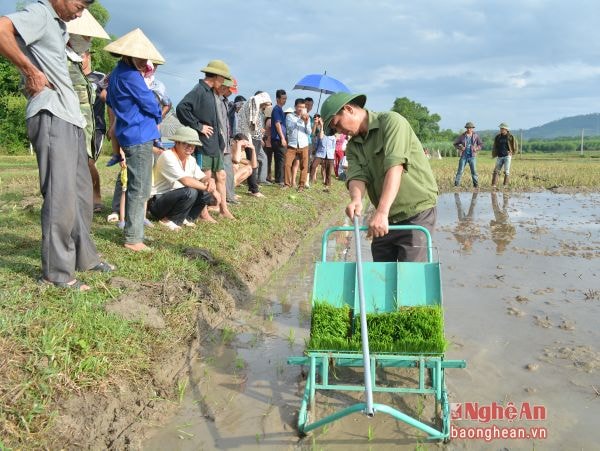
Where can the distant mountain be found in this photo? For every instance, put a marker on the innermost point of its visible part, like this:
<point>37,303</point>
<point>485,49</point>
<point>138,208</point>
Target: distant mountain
<point>568,126</point>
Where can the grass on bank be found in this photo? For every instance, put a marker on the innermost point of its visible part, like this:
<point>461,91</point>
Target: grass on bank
<point>56,343</point>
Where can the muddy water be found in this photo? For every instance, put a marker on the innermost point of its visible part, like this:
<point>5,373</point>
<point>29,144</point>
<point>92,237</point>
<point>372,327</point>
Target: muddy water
<point>521,282</point>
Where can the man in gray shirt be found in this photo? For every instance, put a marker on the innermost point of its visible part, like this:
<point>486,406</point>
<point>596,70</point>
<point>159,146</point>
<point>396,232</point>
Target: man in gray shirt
<point>34,41</point>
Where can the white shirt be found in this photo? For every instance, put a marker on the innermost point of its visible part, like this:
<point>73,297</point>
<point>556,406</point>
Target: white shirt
<point>168,170</point>
<point>298,131</point>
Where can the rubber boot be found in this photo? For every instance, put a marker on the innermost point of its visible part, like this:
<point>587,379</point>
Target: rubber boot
<point>506,179</point>
<point>494,180</point>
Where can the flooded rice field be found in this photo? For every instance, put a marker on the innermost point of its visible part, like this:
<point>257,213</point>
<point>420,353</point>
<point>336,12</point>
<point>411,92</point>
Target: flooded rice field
<point>521,294</point>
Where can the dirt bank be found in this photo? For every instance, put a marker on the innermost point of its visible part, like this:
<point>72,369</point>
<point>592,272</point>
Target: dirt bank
<point>118,419</point>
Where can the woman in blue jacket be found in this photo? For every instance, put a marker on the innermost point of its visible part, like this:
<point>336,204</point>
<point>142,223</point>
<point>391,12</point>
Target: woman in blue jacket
<point>137,116</point>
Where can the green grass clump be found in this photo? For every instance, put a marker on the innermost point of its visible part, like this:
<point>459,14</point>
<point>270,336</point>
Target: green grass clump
<point>408,330</point>
<point>330,326</point>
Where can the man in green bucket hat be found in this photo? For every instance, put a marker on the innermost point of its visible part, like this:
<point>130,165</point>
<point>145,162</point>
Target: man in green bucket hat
<point>386,160</point>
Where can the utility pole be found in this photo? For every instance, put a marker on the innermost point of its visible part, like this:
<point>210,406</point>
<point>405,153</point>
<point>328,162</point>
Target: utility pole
<point>521,144</point>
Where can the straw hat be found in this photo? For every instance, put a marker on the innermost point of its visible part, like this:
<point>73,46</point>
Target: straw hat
<point>217,67</point>
<point>504,125</point>
<point>185,135</point>
<point>135,44</point>
<point>87,25</point>
<point>288,110</point>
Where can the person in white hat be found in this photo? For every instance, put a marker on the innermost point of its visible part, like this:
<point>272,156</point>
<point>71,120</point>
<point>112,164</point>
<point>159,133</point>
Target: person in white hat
<point>55,127</point>
<point>137,117</point>
<point>251,120</point>
<point>505,145</point>
<point>181,191</point>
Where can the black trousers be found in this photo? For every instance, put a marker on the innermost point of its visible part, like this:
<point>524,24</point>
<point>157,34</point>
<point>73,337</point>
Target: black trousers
<point>405,245</point>
<point>179,204</point>
<point>279,153</point>
<point>269,153</point>
<point>253,179</point>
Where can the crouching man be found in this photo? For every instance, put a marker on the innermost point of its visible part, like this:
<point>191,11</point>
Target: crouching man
<point>181,191</point>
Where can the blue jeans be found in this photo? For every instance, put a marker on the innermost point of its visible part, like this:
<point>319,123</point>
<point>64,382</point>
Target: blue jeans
<point>461,167</point>
<point>503,161</point>
<point>261,156</point>
<point>139,184</point>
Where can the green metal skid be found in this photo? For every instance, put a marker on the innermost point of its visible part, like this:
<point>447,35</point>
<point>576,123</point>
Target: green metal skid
<point>387,286</point>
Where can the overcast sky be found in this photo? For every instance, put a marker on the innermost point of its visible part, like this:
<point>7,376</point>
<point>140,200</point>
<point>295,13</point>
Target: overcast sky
<point>525,62</point>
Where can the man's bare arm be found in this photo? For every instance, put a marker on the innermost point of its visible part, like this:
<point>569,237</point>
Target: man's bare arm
<point>35,79</point>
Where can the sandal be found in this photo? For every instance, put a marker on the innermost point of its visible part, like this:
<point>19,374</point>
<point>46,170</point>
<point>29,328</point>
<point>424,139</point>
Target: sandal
<point>73,285</point>
<point>103,267</point>
<point>114,159</point>
<point>137,247</point>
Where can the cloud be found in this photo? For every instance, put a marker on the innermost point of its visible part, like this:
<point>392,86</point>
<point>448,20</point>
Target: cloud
<point>299,38</point>
<point>525,62</point>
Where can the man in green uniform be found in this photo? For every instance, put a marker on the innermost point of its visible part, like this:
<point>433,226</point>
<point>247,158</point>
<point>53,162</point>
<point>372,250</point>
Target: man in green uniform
<point>385,159</point>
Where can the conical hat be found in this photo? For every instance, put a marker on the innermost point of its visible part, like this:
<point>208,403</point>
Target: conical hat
<point>135,44</point>
<point>87,25</point>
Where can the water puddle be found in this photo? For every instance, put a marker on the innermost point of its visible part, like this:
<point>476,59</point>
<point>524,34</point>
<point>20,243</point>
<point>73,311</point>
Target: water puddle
<point>521,285</point>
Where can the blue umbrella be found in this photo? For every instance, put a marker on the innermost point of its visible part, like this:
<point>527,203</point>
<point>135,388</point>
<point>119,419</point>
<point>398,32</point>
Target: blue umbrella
<point>321,83</point>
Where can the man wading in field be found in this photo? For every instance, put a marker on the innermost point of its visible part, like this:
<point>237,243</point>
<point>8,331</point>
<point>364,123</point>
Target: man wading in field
<point>386,159</point>
<point>505,145</point>
<point>34,41</point>
<point>468,144</point>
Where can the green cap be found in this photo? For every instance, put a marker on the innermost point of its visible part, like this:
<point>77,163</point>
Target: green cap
<point>334,103</point>
<point>185,135</point>
<point>504,125</point>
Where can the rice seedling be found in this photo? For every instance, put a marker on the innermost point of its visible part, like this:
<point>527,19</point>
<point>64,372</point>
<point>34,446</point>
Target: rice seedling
<point>181,387</point>
<point>330,326</point>
<point>370,433</point>
<point>407,330</point>
<point>227,335</point>
<point>291,338</point>
<point>240,363</point>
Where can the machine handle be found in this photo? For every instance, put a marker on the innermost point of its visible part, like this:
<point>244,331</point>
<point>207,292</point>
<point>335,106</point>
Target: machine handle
<point>363,323</point>
<point>330,230</point>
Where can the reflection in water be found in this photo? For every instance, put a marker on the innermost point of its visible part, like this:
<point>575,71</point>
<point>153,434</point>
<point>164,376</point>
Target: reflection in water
<point>502,229</point>
<point>466,230</point>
